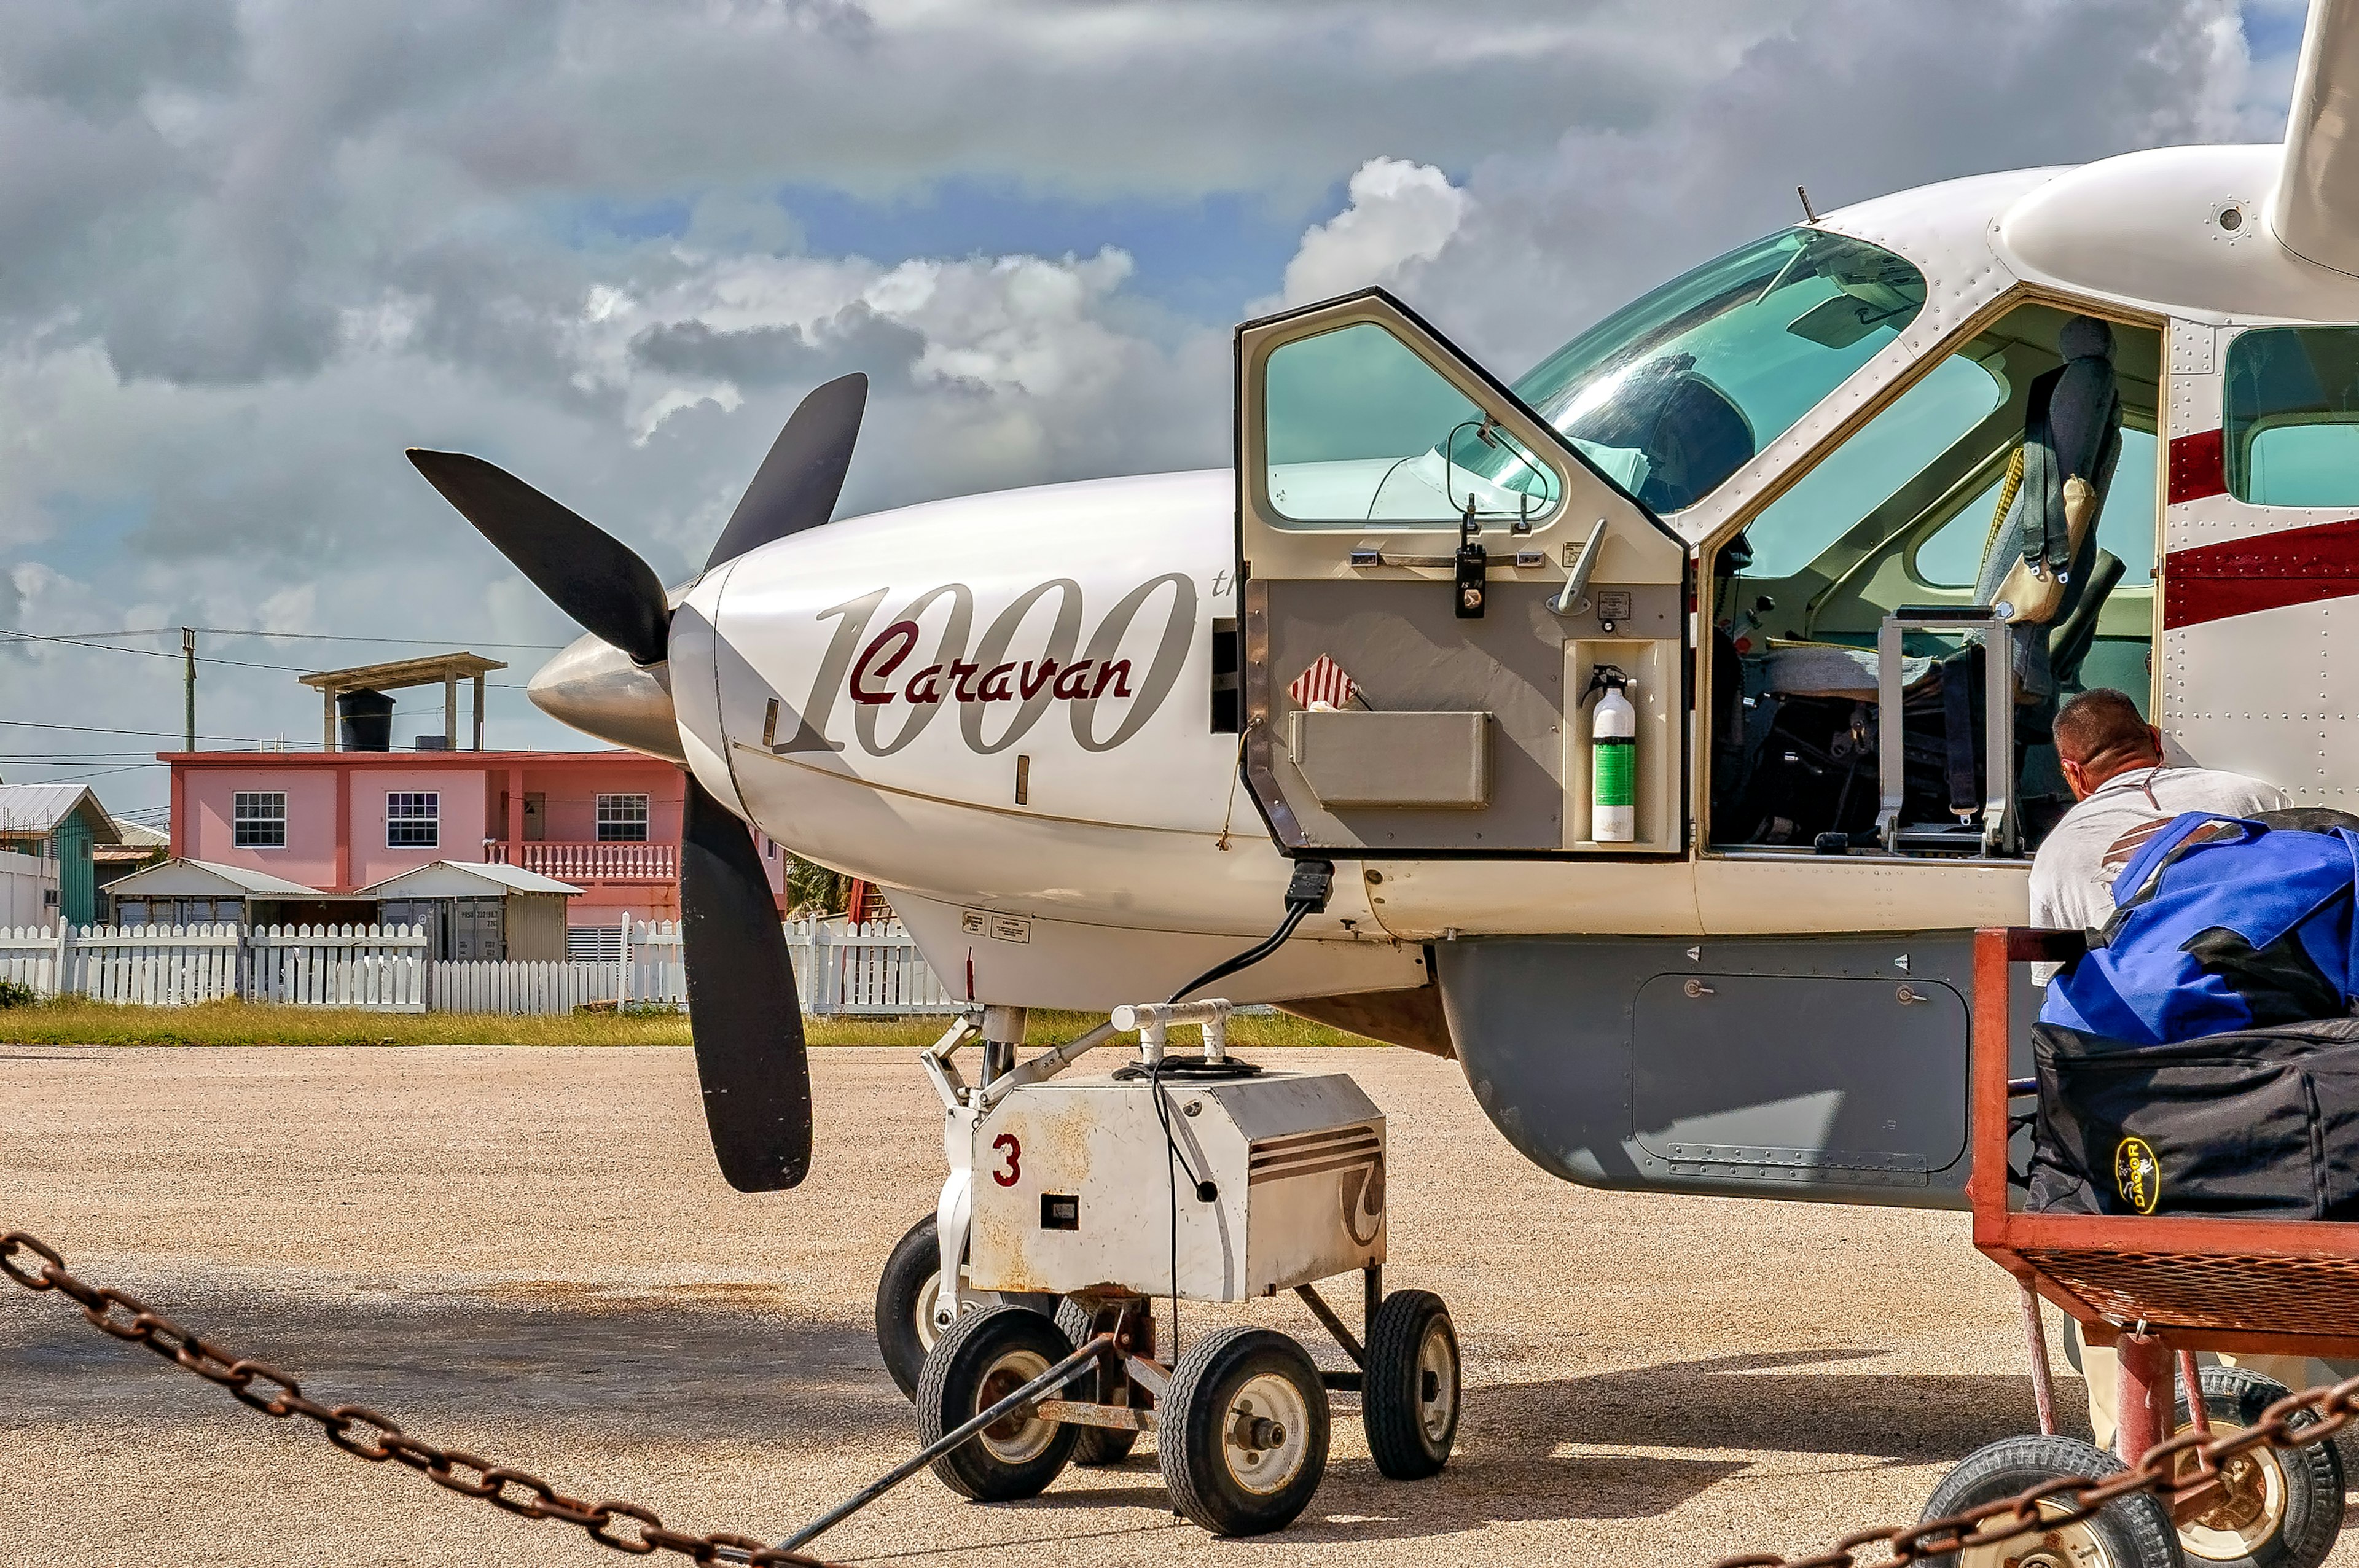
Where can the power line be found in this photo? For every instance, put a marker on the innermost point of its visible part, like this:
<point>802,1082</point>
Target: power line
<point>241,664</point>
<point>166,734</point>
<point>258,631</point>
<point>148,652</point>
<point>103,772</point>
<point>340,637</point>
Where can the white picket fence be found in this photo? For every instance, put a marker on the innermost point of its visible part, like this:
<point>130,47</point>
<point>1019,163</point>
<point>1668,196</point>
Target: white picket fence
<point>872,968</point>
<point>869,969</point>
<point>865,970</point>
<point>520,986</point>
<point>380,968</point>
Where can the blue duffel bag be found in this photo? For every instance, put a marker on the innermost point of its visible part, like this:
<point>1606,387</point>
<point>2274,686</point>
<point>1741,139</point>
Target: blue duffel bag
<point>2220,923</point>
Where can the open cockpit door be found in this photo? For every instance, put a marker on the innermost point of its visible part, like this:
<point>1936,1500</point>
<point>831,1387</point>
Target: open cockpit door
<point>1434,579</point>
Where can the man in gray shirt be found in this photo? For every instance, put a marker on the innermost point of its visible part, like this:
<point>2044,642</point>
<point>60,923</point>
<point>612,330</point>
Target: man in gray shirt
<point>2112,760</point>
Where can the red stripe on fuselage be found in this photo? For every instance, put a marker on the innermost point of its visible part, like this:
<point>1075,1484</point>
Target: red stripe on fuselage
<point>2267,571</point>
<point>2198,467</point>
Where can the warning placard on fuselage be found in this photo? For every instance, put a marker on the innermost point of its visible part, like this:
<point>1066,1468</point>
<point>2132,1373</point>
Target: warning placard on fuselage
<point>997,927</point>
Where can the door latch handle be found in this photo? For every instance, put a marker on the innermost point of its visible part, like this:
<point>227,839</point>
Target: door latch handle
<point>1909,996</point>
<point>1574,598</point>
<point>1696,988</point>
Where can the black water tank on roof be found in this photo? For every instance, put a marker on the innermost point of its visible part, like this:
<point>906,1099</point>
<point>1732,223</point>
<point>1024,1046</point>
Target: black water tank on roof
<point>365,719</point>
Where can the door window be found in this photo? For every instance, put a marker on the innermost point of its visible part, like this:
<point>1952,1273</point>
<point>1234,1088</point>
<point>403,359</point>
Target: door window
<point>1357,428</point>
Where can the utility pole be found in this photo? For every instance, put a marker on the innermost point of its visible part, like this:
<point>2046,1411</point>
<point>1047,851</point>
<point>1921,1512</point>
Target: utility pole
<point>189,689</point>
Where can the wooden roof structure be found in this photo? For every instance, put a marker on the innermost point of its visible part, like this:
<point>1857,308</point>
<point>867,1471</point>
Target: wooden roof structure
<point>447,669</point>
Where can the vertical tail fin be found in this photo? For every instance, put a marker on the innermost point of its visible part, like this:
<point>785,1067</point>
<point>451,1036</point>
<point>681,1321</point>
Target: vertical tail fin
<point>2315,211</point>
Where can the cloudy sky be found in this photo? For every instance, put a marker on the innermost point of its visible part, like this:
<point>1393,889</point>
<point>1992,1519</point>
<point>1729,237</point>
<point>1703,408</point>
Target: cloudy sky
<point>252,249</point>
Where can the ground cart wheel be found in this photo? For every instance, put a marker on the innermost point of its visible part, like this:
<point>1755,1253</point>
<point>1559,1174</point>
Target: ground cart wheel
<point>905,1303</point>
<point>1409,1385</point>
<point>984,1357</point>
<point>2284,1506</point>
<point>1095,1445</point>
<point>2129,1532</point>
<point>1242,1436</point>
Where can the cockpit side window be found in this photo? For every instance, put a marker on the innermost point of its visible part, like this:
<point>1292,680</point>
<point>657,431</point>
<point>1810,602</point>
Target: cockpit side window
<point>1674,392</point>
<point>2293,417</point>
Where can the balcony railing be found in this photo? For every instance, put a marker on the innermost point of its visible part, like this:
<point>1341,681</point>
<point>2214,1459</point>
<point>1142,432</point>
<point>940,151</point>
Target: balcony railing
<point>589,862</point>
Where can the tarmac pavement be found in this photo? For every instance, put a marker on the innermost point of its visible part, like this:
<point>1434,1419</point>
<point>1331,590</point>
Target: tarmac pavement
<point>526,1253</point>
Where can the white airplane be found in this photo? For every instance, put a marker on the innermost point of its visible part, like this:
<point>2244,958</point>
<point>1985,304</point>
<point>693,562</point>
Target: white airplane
<point>2105,416</point>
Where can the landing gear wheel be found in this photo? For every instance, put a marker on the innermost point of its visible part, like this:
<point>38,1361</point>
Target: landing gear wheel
<point>1243,1437</point>
<point>1099,1445</point>
<point>982,1357</point>
<point>2284,1506</point>
<point>1409,1386</point>
<point>2129,1532</point>
<point>905,1304</point>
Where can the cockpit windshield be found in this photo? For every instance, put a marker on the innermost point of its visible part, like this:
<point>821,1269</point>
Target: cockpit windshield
<point>1672,394</point>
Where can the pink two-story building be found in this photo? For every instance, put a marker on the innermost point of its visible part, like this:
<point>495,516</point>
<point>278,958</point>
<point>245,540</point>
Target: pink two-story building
<point>352,815</point>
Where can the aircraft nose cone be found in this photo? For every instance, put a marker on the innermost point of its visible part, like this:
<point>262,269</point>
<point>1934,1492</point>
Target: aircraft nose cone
<point>593,687</point>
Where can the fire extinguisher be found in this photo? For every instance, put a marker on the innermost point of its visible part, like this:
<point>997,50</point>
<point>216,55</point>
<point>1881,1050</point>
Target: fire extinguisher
<point>1612,758</point>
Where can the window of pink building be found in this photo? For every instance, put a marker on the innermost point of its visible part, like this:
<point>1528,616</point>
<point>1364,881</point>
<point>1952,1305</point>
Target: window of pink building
<point>258,820</point>
<point>622,819</point>
<point>413,819</point>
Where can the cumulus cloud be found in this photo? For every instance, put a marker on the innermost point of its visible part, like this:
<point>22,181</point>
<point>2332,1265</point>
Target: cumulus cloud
<point>254,249</point>
<point>1398,213</point>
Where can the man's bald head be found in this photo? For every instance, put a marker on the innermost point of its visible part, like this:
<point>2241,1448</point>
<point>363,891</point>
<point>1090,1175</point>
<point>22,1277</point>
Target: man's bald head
<point>2101,733</point>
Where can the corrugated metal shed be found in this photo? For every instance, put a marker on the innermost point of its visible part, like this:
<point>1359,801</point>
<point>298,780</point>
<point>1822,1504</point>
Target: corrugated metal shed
<point>34,811</point>
<point>208,878</point>
<point>60,822</point>
<point>474,910</point>
<point>465,878</point>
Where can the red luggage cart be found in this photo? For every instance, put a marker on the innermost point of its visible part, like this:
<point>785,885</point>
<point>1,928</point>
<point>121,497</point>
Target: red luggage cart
<point>2157,1289</point>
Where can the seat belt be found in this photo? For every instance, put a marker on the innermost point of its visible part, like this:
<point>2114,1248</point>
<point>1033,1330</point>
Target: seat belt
<point>1958,735</point>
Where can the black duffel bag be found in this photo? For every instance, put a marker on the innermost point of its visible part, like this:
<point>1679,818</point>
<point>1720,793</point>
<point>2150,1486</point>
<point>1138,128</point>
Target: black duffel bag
<point>2258,1123</point>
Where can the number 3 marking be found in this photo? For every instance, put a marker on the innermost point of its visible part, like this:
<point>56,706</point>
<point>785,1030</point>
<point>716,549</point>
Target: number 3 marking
<point>1006,1144</point>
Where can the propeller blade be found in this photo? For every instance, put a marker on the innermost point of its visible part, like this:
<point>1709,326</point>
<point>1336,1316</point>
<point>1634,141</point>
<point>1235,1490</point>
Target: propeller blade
<point>797,484</point>
<point>741,1007</point>
<point>586,571</point>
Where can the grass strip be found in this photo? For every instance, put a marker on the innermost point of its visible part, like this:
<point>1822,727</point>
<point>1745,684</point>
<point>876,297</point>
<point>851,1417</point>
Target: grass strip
<point>72,1021</point>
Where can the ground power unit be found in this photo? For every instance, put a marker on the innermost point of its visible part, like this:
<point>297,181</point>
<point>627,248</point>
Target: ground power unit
<point>1076,1202</point>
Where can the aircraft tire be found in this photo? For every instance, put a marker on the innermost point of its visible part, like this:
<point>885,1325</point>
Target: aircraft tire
<point>905,1304</point>
<point>2285,1507</point>
<point>1410,1386</point>
<point>2129,1532</point>
<point>982,1359</point>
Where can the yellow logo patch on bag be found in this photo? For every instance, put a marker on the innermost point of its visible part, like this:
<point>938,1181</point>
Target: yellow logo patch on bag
<point>2138,1175</point>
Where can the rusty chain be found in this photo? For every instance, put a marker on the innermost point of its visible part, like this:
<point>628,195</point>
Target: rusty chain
<point>2185,1460</point>
<point>364,1435</point>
